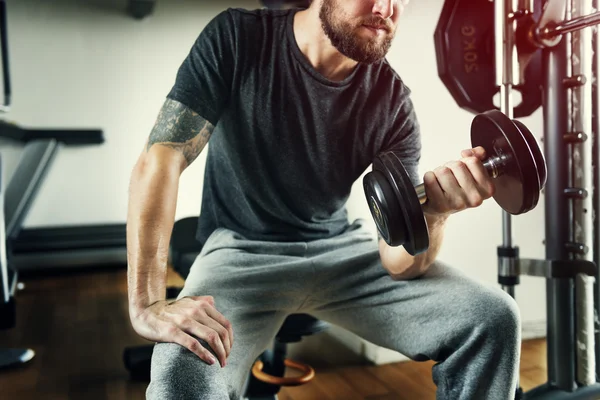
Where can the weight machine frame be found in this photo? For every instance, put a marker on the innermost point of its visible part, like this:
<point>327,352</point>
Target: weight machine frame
<point>572,374</point>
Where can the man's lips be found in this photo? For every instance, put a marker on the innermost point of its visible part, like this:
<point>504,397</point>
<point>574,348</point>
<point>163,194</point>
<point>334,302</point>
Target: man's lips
<point>377,28</point>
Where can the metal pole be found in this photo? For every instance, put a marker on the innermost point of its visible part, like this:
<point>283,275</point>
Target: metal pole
<point>559,292</point>
<point>595,130</point>
<point>506,76</point>
<point>571,25</point>
<point>578,125</point>
<point>4,277</point>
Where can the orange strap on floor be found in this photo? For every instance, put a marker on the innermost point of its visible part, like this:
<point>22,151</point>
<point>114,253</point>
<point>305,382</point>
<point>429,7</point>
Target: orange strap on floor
<point>309,374</point>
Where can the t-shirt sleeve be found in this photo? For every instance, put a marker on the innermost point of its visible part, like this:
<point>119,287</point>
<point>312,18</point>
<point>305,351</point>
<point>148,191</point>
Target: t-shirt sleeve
<point>405,136</point>
<point>204,79</point>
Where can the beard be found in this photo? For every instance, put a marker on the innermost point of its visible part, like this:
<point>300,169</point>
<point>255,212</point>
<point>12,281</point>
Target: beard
<point>344,38</point>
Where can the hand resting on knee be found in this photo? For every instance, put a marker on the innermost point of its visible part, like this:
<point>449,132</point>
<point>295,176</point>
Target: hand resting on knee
<point>184,322</point>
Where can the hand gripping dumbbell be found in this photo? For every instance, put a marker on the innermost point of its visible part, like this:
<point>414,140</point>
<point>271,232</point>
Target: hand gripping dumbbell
<point>515,161</point>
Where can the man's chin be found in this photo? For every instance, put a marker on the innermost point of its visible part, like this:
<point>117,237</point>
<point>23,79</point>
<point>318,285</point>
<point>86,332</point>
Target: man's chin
<point>370,53</point>
<point>368,57</point>
<point>362,50</point>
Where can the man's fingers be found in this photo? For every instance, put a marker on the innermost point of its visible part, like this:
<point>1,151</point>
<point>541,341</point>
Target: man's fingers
<point>203,310</point>
<point>478,152</point>
<point>482,178</point>
<point>454,195</point>
<point>467,153</point>
<point>221,331</point>
<point>209,335</point>
<point>203,299</point>
<point>193,345</point>
<point>471,192</point>
<point>434,190</point>
<point>224,326</point>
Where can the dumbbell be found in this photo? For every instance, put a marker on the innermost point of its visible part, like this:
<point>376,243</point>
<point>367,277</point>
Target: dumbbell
<point>515,161</point>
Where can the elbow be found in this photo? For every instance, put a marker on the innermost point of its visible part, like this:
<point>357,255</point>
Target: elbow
<point>397,262</point>
<point>401,266</point>
<point>156,164</point>
<point>408,275</point>
<point>412,271</point>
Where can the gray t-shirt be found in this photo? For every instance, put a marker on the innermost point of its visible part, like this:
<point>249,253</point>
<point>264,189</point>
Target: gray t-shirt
<point>288,143</point>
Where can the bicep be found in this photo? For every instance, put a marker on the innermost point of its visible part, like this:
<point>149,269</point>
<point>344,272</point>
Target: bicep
<point>180,129</point>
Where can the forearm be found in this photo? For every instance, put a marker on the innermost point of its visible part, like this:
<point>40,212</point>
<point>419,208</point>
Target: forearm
<point>178,137</point>
<point>151,212</point>
<point>403,266</point>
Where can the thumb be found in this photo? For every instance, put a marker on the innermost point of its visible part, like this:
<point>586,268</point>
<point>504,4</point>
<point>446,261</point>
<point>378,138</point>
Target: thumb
<point>478,152</point>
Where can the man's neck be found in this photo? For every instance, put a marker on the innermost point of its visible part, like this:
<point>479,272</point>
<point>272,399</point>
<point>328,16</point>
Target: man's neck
<point>317,47</point>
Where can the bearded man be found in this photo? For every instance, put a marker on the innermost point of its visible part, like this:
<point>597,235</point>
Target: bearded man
<point>296,105</point>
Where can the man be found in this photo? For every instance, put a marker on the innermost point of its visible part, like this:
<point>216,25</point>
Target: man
<point>296,104</point>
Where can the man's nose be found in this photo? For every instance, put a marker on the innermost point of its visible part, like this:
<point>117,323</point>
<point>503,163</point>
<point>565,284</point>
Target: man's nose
<point>384,8</point>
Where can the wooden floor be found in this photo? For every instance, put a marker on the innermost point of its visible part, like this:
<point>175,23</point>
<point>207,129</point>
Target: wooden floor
<point>78,326</point>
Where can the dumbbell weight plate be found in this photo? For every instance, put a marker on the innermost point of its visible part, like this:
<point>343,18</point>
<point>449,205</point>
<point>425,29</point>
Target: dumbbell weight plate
<point>538,157</point>
<point>518,187</point>
<point>383,205</point>
<point>394,204</point>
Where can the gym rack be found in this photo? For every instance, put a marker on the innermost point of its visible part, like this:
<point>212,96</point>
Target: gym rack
<point>571,277</point>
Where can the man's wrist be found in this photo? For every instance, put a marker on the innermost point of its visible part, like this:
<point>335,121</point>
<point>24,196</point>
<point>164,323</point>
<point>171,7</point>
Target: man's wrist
<point>435,220</point>
<point>139,302</point>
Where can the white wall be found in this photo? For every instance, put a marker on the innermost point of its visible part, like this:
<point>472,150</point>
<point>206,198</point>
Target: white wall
<point>82,63</point>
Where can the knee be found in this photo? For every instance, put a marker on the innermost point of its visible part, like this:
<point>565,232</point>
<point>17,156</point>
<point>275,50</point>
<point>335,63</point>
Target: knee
<point>497,315</point>
<point>177,373</point>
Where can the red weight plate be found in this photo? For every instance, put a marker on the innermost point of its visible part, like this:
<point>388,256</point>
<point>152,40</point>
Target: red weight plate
<point>518,186</point>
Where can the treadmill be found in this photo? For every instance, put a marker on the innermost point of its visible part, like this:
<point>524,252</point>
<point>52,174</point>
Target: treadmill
<point>57,246</point>
<point>15,202</point>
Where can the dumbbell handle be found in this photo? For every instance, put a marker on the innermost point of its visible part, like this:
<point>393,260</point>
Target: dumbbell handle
<point>493,166</point>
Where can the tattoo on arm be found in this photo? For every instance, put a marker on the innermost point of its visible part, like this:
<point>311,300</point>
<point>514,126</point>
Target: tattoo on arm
<point>180,128</point>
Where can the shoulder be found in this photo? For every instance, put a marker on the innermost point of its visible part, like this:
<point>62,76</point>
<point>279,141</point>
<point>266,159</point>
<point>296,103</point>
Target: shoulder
<point>243,29</point>
<point>387,80</point>
<point>398,114</point>
<point>258,13</point>
<point>389,93</point>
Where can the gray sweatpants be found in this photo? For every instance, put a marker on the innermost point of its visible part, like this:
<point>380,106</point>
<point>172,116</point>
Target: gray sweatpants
<point>472,330</point>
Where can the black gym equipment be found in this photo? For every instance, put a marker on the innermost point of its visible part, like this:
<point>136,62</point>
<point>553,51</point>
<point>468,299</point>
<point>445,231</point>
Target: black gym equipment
<point>514,160</point>
<point>140,9</point>
<point>38,249</point>
<point>15,201</point>
<point>78,246</point>
<point>69,137</point>
<point>465,50</point>
<point>268,373</point>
